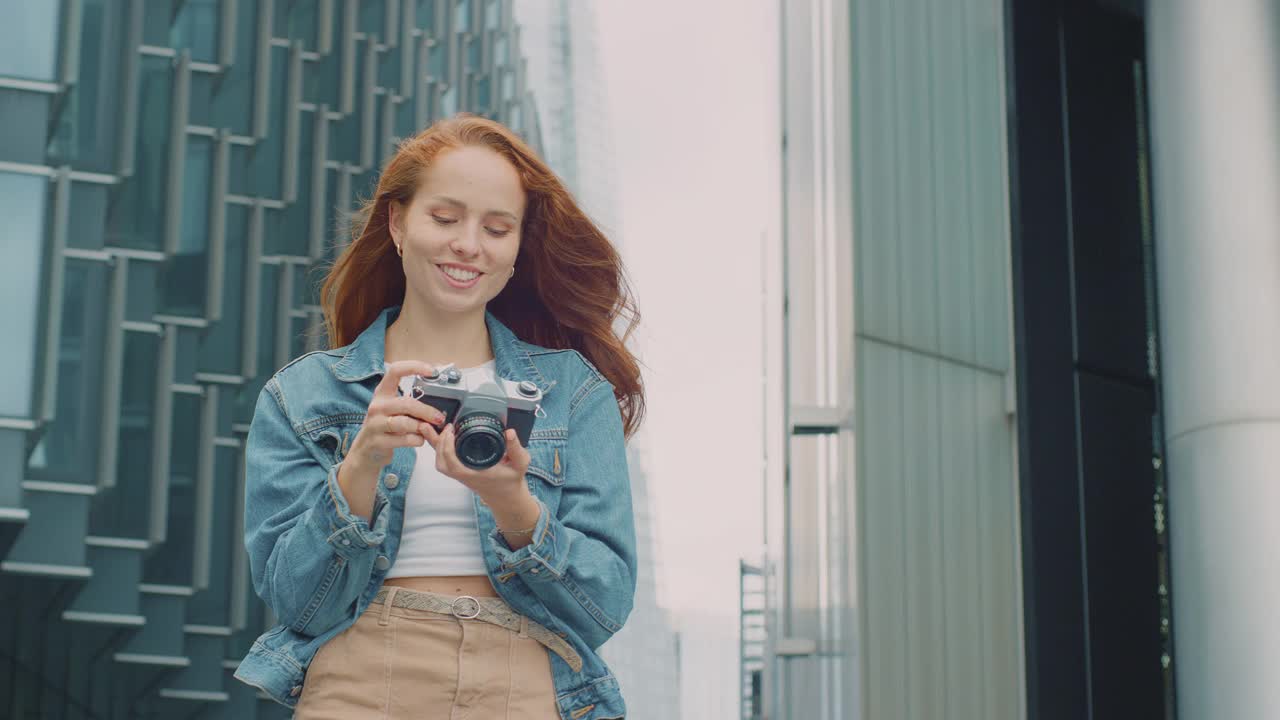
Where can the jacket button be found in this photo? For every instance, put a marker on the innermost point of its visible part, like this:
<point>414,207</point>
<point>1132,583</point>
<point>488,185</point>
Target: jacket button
<point>392,481</point>
<point>382,563</point>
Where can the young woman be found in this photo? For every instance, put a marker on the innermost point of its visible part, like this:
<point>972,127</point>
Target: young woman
<point>406,583</point>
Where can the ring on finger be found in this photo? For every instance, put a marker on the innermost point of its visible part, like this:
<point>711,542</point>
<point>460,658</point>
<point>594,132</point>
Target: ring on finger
<point>389,431</point>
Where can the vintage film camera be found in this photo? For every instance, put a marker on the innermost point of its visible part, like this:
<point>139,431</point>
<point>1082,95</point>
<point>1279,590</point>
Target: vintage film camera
<point>481,409</point>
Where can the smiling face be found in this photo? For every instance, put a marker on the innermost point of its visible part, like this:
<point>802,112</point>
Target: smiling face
<point>460,232</point>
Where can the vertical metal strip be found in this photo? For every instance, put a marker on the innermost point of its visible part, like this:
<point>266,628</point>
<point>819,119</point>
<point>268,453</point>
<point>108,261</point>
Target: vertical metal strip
<point>284,315</point>
<point>390,16</point>
<point>177,164</point>
<point>130,67</point>
<point>57,278</point>
<point>319,183</point>
<point>216,275</point>
<point>252,293</point>
<point>449,33</point>
<point>292,124</point>
<point>408,21</point>
<point>262,70</point>
<point>368,102</point>
<point>350,13</point>
<point>317,337</point>
<point>69,63</point>
<point>112,369</point>
<point>239,586</point>
<point>423,85</point>
<point>202,545</point>
<point>324,27</point>
<point>388,128</point>
<point>162,435</point>
<point>227,33</point>
<point>342,203</point>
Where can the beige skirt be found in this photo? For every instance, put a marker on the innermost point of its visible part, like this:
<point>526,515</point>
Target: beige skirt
<point>456,661</point>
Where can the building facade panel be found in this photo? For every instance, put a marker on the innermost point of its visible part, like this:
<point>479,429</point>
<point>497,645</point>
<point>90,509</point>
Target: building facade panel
<point>897,335</point>
<point>176,180</point>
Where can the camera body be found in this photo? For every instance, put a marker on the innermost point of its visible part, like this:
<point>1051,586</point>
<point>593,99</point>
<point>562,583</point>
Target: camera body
<point>481,410</point>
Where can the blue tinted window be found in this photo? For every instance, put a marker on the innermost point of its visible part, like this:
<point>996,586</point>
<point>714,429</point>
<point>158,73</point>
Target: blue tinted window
<point>22,205</point>
<point>196,28</point>
<point>68,449</point>
<point>29,40</point>
<point>25,122</point>
<point>137,213</point>
<point>297,21</point>
<point>220,346</point>
<point>122,511</point>
<point>186,270</point>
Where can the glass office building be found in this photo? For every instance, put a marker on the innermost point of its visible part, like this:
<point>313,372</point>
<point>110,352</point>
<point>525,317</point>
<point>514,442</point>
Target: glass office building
<point>172,176</point>
<point>1030,320</point>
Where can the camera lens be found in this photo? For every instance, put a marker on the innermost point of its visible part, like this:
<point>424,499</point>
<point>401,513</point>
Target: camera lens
<point>480,441</point>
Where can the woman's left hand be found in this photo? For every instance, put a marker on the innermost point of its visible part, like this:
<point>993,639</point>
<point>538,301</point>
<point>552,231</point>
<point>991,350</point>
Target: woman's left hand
<point>495,484</point>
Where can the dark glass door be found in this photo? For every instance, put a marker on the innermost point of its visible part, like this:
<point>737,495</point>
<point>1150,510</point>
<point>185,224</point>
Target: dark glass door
<point>1095,579</point>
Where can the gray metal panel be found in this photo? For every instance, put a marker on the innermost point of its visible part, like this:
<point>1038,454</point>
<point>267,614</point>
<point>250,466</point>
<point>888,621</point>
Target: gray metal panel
<point>955,442</point>
<point>938,539</point>
<point>913,200</point>
<point>937,588</point>
<point>930,171</point>
<point>956,261</point>
<point>882,565</point>
<point>987,165</point>
<point>924,482</point>
<point>876,171</point>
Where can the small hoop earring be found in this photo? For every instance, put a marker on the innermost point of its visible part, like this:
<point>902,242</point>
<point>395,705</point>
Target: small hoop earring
<point>513,272</point>
<point>400,251</point>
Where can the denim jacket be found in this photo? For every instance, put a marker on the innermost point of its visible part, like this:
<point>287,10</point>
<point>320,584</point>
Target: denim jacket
<point>317,565</point>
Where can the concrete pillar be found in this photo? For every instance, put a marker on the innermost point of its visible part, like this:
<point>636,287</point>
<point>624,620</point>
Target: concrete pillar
<point>1214,72</point>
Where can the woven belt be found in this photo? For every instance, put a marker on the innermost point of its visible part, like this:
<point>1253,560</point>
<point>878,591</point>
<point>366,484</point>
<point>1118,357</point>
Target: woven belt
<point>486,609</point>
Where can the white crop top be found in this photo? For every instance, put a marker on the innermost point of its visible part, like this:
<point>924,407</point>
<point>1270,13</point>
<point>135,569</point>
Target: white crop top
<point>440,535</point>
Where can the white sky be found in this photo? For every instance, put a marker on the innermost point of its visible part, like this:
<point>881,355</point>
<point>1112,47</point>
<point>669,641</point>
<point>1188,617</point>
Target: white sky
<point>693,89</point>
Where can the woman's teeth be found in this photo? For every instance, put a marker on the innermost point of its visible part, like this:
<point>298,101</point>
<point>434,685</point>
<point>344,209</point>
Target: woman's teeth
<point>459,275</point>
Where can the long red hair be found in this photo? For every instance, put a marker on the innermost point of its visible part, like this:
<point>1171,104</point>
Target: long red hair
<point>569,289</point>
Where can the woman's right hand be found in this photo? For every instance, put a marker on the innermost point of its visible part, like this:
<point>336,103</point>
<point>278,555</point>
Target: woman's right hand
<point>393,421</point>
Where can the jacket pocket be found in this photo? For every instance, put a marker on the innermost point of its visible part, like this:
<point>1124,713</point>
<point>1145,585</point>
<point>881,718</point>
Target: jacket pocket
<point>546,461</point>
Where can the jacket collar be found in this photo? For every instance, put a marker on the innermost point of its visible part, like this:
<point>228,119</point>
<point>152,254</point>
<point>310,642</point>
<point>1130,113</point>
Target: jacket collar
<point>364,358</point>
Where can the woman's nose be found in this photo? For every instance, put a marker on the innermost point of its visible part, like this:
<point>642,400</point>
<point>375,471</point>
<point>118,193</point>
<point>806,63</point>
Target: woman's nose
<point>467,243</point>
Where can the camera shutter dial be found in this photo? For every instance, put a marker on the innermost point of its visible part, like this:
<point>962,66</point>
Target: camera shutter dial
<point>528,389</point>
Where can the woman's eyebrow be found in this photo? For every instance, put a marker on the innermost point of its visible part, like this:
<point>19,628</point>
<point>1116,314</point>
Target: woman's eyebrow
<point>458,203</point>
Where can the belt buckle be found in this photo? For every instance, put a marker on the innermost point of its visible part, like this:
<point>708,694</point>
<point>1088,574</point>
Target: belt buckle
<point>461,615</point>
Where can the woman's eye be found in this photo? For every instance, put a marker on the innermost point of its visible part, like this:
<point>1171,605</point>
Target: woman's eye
<point>498,232</point>
<point>443,220</point>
